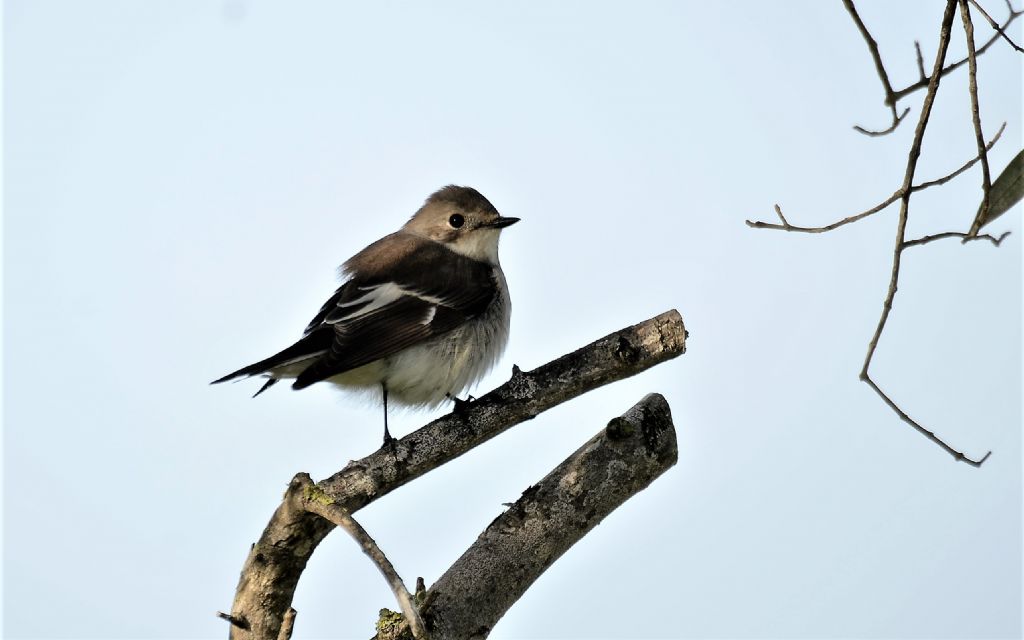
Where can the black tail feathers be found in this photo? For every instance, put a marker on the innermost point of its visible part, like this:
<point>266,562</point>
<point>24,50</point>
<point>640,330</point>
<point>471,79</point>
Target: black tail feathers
<point>308,347</point>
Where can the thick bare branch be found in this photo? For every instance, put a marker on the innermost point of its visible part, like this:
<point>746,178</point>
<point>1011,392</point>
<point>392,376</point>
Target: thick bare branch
<point>551,516</point>
<point>277,559</point>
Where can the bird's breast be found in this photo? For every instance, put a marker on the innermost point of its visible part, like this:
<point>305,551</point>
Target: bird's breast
<point>425,374</point>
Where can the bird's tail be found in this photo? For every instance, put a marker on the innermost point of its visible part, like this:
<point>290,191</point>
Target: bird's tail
<point>309,346</point>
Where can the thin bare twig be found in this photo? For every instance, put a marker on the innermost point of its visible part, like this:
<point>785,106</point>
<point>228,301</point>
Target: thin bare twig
<point>928,434</point>
<point>986,176</point>
<point>318,502</point>
<point>882,75</point>
<point>916,242</point>
<point>875,133</point>
<point>786,226</point>
<point>946,178</point>
<point>899,94</point>
<point>995,25</point>
<point>908,188</point>
<point>901,229</point>
<point>920,60</point>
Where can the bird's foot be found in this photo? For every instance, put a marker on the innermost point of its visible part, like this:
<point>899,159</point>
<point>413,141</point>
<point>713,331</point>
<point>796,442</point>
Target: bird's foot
<point>390,443</point>
<point>461,406</point>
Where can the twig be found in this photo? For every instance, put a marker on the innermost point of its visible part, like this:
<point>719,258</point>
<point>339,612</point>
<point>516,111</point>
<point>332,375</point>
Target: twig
<point>901,228</point>
<point>276,561</point>
<point>316,501</point>
<point>946,178</point>
<point>920,59</point>
<point>986,176</point>
<point>234,621</point>
<point>899,94</point>
<point>786,226</point>
<point>928,434</point>
<point>916,242</point>
<point>882,74</point>
<point>995,25</point>
<point>876,133</point>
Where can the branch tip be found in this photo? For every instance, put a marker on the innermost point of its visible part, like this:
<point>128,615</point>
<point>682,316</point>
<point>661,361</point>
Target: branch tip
<point>896,120</point>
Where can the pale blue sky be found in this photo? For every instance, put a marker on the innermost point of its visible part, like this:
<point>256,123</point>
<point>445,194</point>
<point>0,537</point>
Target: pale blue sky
<point>182,178</point>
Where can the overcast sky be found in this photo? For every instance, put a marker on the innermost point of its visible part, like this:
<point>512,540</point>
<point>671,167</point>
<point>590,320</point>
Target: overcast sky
<point>181,180</point>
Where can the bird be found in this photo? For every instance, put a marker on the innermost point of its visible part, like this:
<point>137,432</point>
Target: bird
<point>422,314</point>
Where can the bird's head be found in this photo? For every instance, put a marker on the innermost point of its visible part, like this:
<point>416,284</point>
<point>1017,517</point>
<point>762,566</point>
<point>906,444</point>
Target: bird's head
<point>463,220</point>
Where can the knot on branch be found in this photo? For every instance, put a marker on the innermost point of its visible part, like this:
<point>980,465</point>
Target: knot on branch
<point>626,352</point>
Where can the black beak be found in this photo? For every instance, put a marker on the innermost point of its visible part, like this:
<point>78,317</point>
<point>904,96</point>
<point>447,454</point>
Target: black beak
<point>500,223</point>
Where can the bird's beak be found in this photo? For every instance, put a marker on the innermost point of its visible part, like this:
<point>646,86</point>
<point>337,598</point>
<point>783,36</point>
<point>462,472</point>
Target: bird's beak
<point>500,222</point>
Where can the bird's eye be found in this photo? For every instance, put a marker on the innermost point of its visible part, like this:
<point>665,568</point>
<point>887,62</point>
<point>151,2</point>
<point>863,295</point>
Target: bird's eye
<point>456,220</point>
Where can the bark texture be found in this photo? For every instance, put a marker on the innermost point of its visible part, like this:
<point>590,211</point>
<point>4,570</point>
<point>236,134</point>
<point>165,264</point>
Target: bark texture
<point>550,517</point>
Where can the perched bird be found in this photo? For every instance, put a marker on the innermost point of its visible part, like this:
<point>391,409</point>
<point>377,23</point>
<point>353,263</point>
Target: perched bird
<point>423,313</point>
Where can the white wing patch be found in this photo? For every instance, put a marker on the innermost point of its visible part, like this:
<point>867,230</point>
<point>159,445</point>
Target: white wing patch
<point>431,312</point>
<point>379,296</point>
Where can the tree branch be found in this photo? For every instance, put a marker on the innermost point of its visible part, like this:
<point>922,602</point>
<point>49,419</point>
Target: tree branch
<point>946,178</point>
<point>972,88</point>
<point>277,559</point>
<point>899,94</point>
<point>322,505</point>
<point>995,25</point>
<point>916,242</point>
<point>892,97</point>
<point>882,74</point>
<point>786,226</point>
<point>901,229</point>
<point>550,517</point>
<point>908,188</point>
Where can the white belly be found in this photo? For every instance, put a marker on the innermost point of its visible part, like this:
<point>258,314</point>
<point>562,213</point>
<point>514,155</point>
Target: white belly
<point>425,374</point>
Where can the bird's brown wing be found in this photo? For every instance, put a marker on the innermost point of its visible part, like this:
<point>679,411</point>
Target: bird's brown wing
<point>425,294</point>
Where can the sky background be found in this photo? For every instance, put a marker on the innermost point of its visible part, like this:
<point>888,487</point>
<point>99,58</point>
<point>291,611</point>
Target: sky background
<point>182,178</point>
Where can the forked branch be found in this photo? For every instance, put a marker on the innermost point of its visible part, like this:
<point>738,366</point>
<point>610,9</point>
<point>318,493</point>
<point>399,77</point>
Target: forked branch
<point>893,96</point>
<point>277,560</point>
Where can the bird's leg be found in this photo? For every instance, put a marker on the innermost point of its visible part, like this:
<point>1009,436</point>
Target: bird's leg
<point>460,405</point>
<point>389,442</point>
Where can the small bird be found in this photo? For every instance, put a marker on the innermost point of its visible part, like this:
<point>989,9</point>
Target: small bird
<point>422,314</point>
